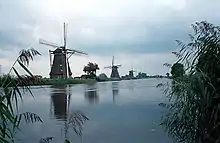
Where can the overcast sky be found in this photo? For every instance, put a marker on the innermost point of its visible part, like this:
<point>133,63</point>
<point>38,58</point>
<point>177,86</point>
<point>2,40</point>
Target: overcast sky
<point>141,33</point>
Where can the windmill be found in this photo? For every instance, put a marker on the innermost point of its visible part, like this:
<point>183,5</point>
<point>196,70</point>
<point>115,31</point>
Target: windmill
<point>59,63</point>
<point>131,72</point>
<point>114,73</point>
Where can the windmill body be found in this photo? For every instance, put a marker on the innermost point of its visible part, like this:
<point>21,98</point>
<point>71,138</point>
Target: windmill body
<point>114,73</point>
<point>59,64</point>
<point>131,73</point>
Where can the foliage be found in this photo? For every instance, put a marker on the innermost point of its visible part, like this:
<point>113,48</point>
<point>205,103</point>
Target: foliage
<point>76,120</point>
<point>36,80</point>
<point>193,113</point>
<point>10,118</point>
<point>46,140</point>
<point>90,69</point>
<point>61,81</point>
<point>102,77</point>
<point>177,70</point>
<point>142,75</point>
<point>11,91</point>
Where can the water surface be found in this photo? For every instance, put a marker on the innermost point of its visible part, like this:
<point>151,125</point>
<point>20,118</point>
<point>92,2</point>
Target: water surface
<point>119,112</point>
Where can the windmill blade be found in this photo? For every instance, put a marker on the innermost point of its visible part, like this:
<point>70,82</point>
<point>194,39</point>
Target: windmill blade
<point>77,51</point>
<point>50,54</point>
<point>108,67</point>
<point>64,34</point>
<point>50,51</point>
<point>118,65</point>
<point>113,58</point>
<point>44,42</point>
<point>71,53</point>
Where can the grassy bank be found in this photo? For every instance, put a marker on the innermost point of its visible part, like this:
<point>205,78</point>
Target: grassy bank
<point>8,80</point>
<point>65,81</point>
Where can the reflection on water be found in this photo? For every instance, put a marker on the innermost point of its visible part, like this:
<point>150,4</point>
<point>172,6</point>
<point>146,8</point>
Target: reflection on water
<point>133,118</point>
<point>115,90</point>
<point>131,85</point>
<point>91,93</point>
<point>60,98</point>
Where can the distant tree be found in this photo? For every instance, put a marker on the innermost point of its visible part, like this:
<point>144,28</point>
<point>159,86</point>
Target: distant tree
<point>177,70</point>
<point>90,69</point>
<point>141,75</point>
<point>102,77</point>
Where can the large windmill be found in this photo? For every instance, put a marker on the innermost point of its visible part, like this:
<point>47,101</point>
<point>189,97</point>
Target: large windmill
<point>59,65</point>
<point>114,73</point>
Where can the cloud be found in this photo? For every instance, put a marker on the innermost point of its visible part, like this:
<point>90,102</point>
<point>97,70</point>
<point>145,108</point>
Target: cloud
<point>128,29</point>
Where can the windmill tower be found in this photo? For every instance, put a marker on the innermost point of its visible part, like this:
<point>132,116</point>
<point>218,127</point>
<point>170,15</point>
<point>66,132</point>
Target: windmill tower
<point>114,73</point>
<point>131,72</point>
<point>59,63</point>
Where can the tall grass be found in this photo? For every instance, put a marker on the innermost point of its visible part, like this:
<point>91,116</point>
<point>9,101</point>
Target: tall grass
<point>11,91</point>
<point>193,114</point>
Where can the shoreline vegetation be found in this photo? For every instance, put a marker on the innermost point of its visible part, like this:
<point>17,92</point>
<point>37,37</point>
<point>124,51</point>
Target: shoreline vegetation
<point>38,80</point>
<point>193,113</point>
<point>11,92</point>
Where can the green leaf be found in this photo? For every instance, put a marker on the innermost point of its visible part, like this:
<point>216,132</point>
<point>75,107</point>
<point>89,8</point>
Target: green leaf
<point>67,141</point>
<point>3,140</point>
<point>25,68</point>
<point>16,72</point>
<point>31,117</point>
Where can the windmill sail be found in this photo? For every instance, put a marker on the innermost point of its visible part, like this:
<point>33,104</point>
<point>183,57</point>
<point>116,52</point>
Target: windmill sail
<point>64,35</point>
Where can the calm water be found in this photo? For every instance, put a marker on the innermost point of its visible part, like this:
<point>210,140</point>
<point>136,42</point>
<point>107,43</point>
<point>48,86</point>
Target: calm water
<point>119,112</point>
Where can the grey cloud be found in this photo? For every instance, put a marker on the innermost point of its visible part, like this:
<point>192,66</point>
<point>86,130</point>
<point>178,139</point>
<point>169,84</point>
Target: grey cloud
<point>133,27</point>
<point>133,30</point>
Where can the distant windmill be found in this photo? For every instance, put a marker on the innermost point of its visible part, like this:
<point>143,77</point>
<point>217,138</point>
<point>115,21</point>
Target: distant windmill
<point>131,72</point>
<point>60,67</point>
<point>114,73</point>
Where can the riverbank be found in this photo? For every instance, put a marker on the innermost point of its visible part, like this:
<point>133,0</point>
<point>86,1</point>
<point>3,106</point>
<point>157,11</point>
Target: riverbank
<point>48,81</point>
<point>34,81</point>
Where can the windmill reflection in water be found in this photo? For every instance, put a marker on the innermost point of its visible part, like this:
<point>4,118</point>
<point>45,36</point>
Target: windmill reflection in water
<point>91,93</point>
<point>115,90</point>
<point>60,101</point>
<point>60,109</point>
